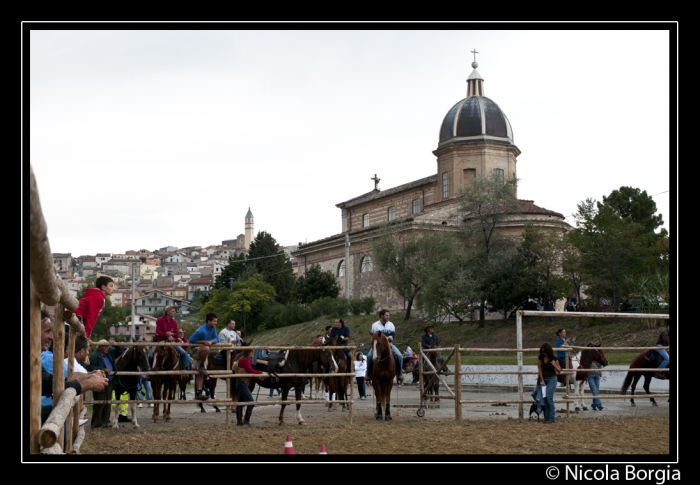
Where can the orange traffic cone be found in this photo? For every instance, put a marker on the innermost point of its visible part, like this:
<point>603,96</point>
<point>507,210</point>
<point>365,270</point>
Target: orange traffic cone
<point>288,446</point>
<point>323,450</point>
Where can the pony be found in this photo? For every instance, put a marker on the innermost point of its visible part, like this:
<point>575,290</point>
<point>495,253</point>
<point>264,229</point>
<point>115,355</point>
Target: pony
<point>295,361</point>
<point>583,360</point>
<point>337,362</point>
<point>165,358</point>
<point>384,371</point>
<point>432,387</point>
<point>217,361</point>
<point>132,359</point>
<point>649,359</point>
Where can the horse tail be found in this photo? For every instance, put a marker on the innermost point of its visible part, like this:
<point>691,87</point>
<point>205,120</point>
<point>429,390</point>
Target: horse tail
<point>627,382</point>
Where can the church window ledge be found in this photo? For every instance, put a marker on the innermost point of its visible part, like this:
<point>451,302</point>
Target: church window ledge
<point>341,268</point>
<point>365,220</point>
<point>416,206</point>
<point>391,213</point>
<point>366,265</point>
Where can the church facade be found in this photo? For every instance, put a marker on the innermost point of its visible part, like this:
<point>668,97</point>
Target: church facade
<point>476,139</point>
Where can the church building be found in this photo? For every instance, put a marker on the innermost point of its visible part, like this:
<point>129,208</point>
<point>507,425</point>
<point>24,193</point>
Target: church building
<point>242,242</point>
<point>476,139</point>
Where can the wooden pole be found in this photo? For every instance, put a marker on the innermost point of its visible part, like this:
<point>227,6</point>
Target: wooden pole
<point>458,383</point>
<point>519,343</point>
<point>70,421</point>
<point>421,389</point>
<point>34,370</point>
<point>352,386</point>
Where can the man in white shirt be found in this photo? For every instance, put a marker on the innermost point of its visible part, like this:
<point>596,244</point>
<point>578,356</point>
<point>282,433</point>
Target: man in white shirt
<point>81,352</point>
<point>228,333</point>
<point>387,328</point>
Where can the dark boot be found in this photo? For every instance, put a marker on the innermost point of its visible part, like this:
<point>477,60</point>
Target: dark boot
<point>239,416</point>
<point>248,412</point>
<point>387,413</point>
<point>378,416</point>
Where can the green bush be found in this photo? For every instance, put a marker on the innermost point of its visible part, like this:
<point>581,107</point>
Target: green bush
<point>329,306</point>
<point>356,307</point>
<point>369,304</point>
<point>278,315</point>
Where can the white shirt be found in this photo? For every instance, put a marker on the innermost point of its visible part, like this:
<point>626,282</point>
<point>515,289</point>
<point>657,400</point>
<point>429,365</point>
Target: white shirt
<point>360,368</point>
<point>386,328</point>
<point>227,334</point>
<point>76,366</point>
<point>408,352</point>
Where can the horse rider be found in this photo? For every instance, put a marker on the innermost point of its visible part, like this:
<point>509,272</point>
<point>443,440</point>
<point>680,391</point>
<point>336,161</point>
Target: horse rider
<point>200,342</point>
<point>430,340</point>
<point>166,331</point>
<point>342,334</point>
<point>663,341</point>
<point>387,328</point>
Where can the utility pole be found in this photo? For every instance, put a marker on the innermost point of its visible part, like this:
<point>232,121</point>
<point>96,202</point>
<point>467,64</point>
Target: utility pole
<point>347,266</point>
<point>134,268</point>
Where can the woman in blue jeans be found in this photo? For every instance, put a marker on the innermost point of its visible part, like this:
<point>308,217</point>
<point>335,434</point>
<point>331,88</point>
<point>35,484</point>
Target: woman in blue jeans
<point>547,369</point>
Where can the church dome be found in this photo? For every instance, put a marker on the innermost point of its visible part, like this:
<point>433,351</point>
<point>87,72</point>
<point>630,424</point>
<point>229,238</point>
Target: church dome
<point>475,118</point>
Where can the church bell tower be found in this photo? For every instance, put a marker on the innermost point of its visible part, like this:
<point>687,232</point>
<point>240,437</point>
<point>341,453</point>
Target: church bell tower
<point>248,229</point>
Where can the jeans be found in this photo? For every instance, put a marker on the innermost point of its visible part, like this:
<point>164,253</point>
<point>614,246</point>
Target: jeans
<point>397,355</point>
<point>594,384</point>
<point>279,391</point>
<point>664,355</point>
<point>244,394</point>
<point>361,386</point>
<point>145,385</point>
<point>551,384</point>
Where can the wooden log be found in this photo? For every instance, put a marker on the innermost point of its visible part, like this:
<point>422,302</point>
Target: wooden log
<point>41,269</point>
<point>51,430</point>
<point>458,384</point>
<point>535,313</point>
<point>34,370</point>
<point>77,443</point>
<point>76,325</point>
<point>54,449</point>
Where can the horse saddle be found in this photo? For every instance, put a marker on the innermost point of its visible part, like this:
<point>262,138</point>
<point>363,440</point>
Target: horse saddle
<point>275,361</point>
<point>219,358</point>
<point>653,357</point>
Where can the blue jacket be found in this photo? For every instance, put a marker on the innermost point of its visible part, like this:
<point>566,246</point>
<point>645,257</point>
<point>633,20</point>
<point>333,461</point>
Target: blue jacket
<point>205,332</point>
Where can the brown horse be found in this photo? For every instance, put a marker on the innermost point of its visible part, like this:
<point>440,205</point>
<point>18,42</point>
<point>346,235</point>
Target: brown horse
<point>432,386</point>
<point>165,358</point>
<point>649,359</point>
<point>337,362</point>
<point>383,374</point>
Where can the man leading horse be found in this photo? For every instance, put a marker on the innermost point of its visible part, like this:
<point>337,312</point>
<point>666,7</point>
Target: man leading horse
<point>387,328</point>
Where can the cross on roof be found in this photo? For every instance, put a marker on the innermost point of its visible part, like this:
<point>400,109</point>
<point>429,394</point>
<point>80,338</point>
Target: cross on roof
<point>475,52</point>
<point>376,181</point>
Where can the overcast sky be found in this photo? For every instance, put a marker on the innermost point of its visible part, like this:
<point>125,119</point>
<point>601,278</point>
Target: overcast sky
<point>143,139</point>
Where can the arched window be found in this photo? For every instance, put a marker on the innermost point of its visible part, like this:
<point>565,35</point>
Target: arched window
<point>366,264</point>
<point>341,268</point>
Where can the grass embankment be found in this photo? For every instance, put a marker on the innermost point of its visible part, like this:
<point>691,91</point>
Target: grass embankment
<point>496,334</point>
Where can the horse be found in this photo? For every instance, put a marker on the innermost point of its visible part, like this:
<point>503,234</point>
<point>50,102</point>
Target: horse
<point>384,371</point>
<point>294,361</point>
<point>217,361</point>
<point>433,384</point>
<point>337,362</point>
<point>133,359</point>
<point>165,358</point>
<point>649,359</point>
<point>584,360</point>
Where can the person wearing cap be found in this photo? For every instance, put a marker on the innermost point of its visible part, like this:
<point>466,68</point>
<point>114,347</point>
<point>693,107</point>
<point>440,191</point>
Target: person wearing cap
<point>103,359</point>
<point>430,340</point>
<point>166,331</point>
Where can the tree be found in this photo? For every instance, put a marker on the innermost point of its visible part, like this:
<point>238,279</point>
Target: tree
<point>237,267</point>
<point>484,207</point>
<point>247,300</point>
<point>316,283</point>
<point>634,205</point>
<point>611,249</point>
<point>406,258</point>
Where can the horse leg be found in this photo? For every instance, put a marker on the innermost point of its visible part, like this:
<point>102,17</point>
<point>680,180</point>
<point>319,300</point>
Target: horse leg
<point>115,419</point>
<point>647,381</point>
<point>132,409</point>
<point>378,415</point>
<point>637,376</point>
<point>156,396</point>
<point>297,393</point>
<point>285,394</point>
<point>387,412</point>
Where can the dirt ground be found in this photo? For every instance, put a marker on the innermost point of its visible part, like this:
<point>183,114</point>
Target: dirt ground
<point>485,429</point>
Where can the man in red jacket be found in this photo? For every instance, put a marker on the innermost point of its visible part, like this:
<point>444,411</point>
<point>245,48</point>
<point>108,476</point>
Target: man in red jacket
<point>93,301</point>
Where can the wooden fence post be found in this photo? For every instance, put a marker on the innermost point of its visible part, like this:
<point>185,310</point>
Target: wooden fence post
<point>34,370</point>
<point>458,383</point>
